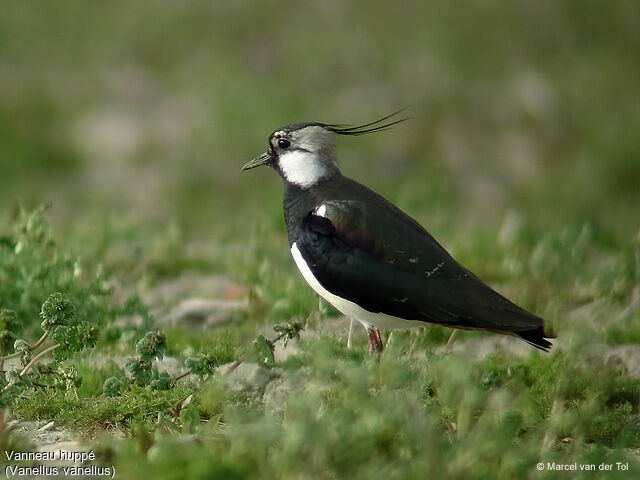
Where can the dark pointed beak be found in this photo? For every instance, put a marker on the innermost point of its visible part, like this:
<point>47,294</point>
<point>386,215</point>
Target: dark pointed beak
<point>258,161</point>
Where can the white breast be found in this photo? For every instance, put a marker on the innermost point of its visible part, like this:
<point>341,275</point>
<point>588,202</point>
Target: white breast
<point>347,307</point>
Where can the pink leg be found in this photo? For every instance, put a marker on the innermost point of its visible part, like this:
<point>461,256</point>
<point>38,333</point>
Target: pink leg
<point>375,341</point>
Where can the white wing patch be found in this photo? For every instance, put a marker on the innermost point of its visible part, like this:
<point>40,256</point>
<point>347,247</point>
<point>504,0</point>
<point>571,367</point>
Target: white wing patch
<point>347,307</point>
<point>434,269</point>
<point>321,211</point>
<point>302,168</point>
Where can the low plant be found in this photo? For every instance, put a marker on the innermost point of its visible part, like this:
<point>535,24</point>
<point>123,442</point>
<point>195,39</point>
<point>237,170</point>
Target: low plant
<point>286,332</point>
<point>144,373</point>
<point>68,335</point>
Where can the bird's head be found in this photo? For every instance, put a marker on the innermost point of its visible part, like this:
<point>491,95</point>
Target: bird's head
<point>305,153</point>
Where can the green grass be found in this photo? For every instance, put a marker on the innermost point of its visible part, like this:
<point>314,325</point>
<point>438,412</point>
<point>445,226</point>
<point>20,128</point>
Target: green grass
<point>132,123</point>
<point>88,414</point>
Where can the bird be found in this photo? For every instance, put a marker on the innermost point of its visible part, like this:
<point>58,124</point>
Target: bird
<point>370,260</point>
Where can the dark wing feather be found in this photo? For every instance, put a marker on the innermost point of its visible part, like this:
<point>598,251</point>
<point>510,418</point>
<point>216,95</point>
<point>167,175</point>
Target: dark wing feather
<point>386,262</point>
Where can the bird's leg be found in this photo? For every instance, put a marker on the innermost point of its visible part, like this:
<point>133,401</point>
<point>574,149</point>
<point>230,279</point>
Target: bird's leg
<point>375,341</point>
<point>380,342</point>
<point>450,341</point>
<point>350,333</point>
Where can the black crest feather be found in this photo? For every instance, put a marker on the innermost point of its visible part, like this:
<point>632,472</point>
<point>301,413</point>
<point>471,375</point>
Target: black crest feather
<point>371,127</point>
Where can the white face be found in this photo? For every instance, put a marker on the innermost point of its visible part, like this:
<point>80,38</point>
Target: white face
<point>302,168</point>
<point>305,156</point>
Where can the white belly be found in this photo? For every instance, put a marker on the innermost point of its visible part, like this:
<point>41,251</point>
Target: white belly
<point>347,307</point>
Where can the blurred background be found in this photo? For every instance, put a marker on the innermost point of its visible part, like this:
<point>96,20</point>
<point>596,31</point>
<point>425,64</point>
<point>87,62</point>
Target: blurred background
<point>132,120</point>
<point>139,115</point>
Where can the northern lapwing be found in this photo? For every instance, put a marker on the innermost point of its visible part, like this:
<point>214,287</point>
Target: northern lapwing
<point>369,259</point>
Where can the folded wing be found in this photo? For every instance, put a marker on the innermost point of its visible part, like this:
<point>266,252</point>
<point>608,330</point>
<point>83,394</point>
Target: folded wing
<point>384,261</point>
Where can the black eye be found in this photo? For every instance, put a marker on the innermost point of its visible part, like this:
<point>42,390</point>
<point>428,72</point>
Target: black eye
<point>283,143</point>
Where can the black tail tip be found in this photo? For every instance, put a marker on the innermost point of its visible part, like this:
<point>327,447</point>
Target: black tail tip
<point>537,338</point>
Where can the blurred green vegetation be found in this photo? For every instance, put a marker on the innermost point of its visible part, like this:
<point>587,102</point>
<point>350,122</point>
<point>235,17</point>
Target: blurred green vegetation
<point>147,110</point>
<point>132,121</point>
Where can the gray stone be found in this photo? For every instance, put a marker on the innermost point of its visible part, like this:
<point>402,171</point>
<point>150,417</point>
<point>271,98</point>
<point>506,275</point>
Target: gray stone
<point>628,355</point>
<point>187,285</point>
<point>194,300</point>
<point>34,432</point>
<point>49,437</point>
<point>201,313</point>
<point>248,378</point>
<point>171,365</point>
